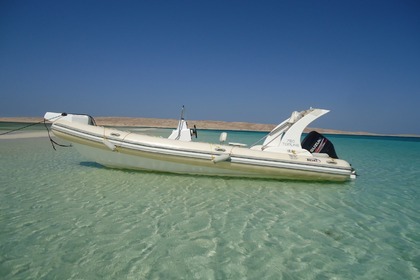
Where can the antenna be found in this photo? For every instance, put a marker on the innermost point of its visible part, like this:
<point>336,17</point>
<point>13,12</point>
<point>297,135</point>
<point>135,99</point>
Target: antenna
<point>182,112</point>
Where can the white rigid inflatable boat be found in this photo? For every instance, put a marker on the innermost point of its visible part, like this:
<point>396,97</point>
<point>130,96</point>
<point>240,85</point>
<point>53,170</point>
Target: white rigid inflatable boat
<point>281,156</point>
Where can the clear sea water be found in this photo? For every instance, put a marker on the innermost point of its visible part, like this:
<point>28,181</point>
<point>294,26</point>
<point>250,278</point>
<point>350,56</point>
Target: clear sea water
<point>63,217</point>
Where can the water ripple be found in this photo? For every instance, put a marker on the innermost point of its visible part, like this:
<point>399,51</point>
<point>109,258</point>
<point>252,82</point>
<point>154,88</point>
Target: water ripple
<point>63,219</point>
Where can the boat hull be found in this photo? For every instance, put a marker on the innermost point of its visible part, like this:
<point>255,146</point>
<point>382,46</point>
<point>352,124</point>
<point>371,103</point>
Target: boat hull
<point>118,149</point>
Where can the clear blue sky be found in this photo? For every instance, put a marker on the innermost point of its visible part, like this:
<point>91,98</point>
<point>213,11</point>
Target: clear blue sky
<point>253,61</point>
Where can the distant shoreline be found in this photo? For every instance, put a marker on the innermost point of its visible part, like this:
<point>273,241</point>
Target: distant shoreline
<point>201,124</point>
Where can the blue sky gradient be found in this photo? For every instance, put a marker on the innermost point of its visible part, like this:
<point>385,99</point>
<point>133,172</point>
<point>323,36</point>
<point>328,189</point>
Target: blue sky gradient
<point>253,61</point>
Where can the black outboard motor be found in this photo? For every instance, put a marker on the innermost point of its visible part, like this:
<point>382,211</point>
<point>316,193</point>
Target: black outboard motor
<point>315,142</point>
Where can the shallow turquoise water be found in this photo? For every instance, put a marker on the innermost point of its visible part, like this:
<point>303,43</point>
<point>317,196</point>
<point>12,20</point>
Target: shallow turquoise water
<point>62,217</point>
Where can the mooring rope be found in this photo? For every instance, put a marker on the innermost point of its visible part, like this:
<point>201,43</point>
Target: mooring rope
<point>45,124</point>
<point>51,140</point>
<point>20,128</point>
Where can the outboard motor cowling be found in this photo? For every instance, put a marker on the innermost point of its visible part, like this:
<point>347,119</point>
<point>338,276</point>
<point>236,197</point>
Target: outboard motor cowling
<point>315,142</point>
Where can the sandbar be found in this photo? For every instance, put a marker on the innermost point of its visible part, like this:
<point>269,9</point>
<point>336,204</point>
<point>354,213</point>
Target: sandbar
<point>172,123</point>
<point>22,135</point>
